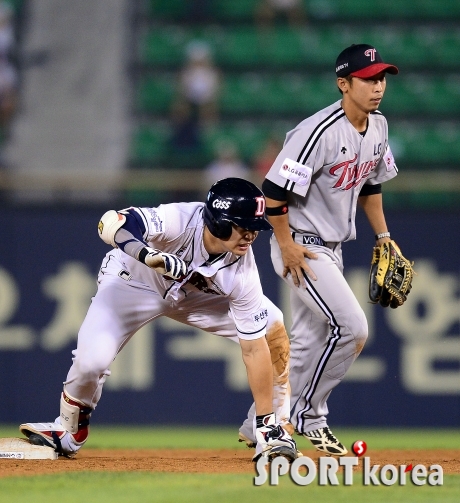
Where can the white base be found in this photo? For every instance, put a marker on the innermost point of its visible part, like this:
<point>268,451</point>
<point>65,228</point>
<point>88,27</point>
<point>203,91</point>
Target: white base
<point>20,448</point>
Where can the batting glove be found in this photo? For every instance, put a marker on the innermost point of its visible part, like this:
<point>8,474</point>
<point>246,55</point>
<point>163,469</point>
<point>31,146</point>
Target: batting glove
<point>166,264</point>
<point>270,434</point>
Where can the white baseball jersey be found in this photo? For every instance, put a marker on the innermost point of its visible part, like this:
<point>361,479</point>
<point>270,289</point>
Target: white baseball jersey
<point>177,228</point>
<point>221,295</point>
<point>327,149</point>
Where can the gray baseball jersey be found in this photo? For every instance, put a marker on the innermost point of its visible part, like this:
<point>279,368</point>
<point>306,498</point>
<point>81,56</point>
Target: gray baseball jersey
<point>323,165</point>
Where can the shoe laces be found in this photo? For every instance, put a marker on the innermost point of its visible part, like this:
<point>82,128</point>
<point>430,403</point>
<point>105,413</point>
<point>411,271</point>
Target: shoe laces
<point>330,436</point>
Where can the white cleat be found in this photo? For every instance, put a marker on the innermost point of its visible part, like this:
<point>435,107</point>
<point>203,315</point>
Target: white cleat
<point>54,435</point>
<point>324,441</point>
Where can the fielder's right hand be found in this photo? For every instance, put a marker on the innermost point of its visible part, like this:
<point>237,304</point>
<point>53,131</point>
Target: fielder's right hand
<point>295,263</point>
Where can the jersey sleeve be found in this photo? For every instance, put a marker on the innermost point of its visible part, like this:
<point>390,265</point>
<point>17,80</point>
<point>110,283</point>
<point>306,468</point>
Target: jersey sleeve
<point>247,302</point>
<point>301,156</point>
<point>148,227</point>
<point>130,236</point>
<point>386,168</point>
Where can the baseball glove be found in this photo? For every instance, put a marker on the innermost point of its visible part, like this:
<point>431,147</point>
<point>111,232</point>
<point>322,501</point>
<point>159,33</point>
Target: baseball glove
<point>390,278</point>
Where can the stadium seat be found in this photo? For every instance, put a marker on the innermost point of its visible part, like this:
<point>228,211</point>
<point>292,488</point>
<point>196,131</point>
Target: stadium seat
<point>243,48</point>
<point>421,146</point>
<point>149,144</point>
<point>242,11</point>
<point>165,47</point>
<point>170,10</point>
<point>248,136</point>
<point>285,93</point>
<point>273,79</point>
<point>437,9</point>
<point>234,10</point>
<point>301,93</point>
<point>155,94</point>
<point>385,10</point>
<point>426,145</point>
<point>242,94</point>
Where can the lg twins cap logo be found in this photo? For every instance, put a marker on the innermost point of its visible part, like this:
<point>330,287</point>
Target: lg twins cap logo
<point>370,53</point>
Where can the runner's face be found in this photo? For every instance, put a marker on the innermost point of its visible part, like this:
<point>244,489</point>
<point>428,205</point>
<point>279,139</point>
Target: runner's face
<point>239,241</point>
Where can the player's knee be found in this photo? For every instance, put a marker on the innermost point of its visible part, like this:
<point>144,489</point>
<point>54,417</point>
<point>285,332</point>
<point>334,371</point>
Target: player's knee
<point>90,369</point>
<point>356,324</point>
<point>361,332</point>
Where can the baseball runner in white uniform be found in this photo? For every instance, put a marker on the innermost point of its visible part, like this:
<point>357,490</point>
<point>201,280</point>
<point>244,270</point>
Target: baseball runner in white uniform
<point>193,263</point>
<point>328,163</point>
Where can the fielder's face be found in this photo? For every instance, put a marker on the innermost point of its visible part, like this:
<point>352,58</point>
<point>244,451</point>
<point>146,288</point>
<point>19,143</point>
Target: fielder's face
<point>364,94</point>
<point>239,241</point>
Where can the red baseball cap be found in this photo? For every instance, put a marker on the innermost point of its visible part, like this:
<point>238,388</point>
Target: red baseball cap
<point>363,61</point>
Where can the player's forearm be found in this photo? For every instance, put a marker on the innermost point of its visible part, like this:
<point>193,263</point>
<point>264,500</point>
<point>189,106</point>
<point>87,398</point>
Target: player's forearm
<point>281,230</point>
<point>280,223</point>
<point>373,208</point>
<point>256,357</point>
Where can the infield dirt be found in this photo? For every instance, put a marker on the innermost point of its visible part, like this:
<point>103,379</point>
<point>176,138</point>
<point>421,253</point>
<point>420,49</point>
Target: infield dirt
<point>203,461</point>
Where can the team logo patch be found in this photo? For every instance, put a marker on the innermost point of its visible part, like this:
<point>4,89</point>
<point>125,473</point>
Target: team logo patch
<point>260,318</point>
<point>156,220</point>
<point>389,160</point>
<point>296,172</point>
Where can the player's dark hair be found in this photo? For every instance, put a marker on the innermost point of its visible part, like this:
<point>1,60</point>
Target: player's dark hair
<point>348,78</point>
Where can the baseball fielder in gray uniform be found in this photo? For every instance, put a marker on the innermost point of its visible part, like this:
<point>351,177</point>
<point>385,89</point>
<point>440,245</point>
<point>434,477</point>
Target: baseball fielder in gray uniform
<point>329,162</point>
<point>191,262</point>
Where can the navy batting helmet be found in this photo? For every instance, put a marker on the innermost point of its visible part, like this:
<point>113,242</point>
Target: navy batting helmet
<point>237,201</point>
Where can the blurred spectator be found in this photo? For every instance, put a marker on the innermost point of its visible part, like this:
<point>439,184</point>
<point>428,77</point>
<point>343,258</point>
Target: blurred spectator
<point>200,82</point>
<point>264,159</point>
<point>185,143</point>
<point>268,11</point>
<point>226,164</point>
<point>8,74</point>
<point>199,11</point>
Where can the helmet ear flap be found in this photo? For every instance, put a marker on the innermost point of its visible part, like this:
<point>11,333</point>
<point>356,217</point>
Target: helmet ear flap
<point>218,227</point>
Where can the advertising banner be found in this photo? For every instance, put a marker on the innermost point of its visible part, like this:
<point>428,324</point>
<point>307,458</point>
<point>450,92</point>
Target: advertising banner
<point>407,375</point>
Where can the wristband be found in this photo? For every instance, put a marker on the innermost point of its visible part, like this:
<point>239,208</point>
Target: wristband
<point>265,420</point>
<point>144,252</point>
<point>382,235</point>
<point>278,210</point>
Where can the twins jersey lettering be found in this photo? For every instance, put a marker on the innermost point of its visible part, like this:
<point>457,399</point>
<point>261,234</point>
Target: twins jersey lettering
<point>341,161</point>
